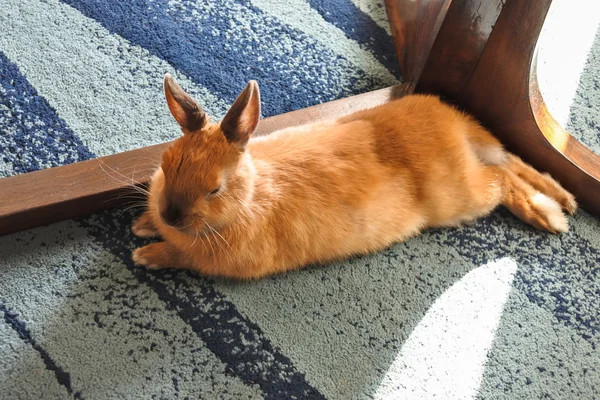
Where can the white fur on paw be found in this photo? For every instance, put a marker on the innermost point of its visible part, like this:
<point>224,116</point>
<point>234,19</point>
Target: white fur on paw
<point>569,203</point>
<point>552,210</point>
<point>141,261</point>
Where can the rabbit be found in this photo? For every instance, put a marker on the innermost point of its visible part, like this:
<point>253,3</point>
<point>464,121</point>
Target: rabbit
<point>229,205</point>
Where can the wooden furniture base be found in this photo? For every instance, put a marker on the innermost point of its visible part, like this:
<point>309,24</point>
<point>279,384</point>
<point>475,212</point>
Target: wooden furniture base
<point>54,194</point>
<point>482,57</point>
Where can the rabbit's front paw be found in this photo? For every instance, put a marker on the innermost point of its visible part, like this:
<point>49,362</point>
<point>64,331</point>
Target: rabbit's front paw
<point>143,257</point>
<point>158,255</point>
<point>144,226</point>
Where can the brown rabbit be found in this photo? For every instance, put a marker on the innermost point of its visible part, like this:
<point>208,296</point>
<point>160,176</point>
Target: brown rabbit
<point>228,205</point>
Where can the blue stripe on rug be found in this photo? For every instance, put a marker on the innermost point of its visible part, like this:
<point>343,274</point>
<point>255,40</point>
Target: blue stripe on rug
<point>360,27</point>
<point>12,319</point>
<point>34,136</point>
<point>237,342</point>
<point>294,71</point>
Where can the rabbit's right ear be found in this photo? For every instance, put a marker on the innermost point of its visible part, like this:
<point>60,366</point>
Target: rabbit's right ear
<point>242,118</point>
<point>187,112</point>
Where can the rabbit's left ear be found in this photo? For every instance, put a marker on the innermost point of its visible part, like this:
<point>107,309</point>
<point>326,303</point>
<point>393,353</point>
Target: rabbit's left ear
<point>242,118</point>
<point>187,112</point>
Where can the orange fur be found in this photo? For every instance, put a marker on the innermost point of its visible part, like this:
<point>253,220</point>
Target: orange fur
<point>322,192</point>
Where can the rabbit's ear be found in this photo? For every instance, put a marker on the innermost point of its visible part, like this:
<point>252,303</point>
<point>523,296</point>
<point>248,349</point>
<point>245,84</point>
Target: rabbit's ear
<point>187,112</point>
<point>241,119</point>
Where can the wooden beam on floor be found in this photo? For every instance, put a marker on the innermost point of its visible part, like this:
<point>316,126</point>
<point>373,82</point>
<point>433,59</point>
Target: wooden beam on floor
<point>55,194</point>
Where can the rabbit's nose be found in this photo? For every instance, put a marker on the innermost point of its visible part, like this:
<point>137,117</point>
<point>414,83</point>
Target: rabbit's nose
<point>172,215</point>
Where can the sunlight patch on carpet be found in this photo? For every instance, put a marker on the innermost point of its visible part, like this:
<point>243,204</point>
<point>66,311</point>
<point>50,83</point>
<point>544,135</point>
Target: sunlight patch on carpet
<point>445,355</point>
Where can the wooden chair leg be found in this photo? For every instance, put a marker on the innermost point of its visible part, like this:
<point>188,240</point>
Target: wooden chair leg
<point>482,58</point>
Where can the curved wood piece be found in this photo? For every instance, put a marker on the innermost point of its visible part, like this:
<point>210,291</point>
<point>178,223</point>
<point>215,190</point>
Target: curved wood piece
<point>584,180</point>
<point>483,59</point>
<point>504,94</point>
<point>458,47</point>
<point>415,25</point>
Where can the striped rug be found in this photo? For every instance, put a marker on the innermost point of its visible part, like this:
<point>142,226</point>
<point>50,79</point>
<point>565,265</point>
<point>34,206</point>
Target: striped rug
<point>493,310</point>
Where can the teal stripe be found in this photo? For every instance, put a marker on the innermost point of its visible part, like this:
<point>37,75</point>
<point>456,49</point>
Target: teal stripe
<point>22,370</point>
<point>89,313</point>
<point>63,377</point>
<point>108,91</point>
<point>224,44</point>
<point>299,15</point>
<point>32,136</point>
<point>536,357</point>
<point>376,10</point>
<point>360,27</point>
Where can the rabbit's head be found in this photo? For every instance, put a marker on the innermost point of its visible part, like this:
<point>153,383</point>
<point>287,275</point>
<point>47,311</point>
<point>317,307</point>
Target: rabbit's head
<point>206,175</point>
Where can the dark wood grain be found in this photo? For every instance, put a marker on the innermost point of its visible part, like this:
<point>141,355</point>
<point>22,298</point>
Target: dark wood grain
<point>483,59</point>
<point>458,47</point>
<point>415,25</point>
<point>54,194</point>
<point>498,90</point>
<point>503,93</point>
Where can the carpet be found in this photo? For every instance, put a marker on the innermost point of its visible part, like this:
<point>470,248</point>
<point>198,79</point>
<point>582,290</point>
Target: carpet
<point>494,310</point>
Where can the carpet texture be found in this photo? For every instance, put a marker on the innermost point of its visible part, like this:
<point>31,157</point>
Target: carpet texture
<point>494,310</point>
